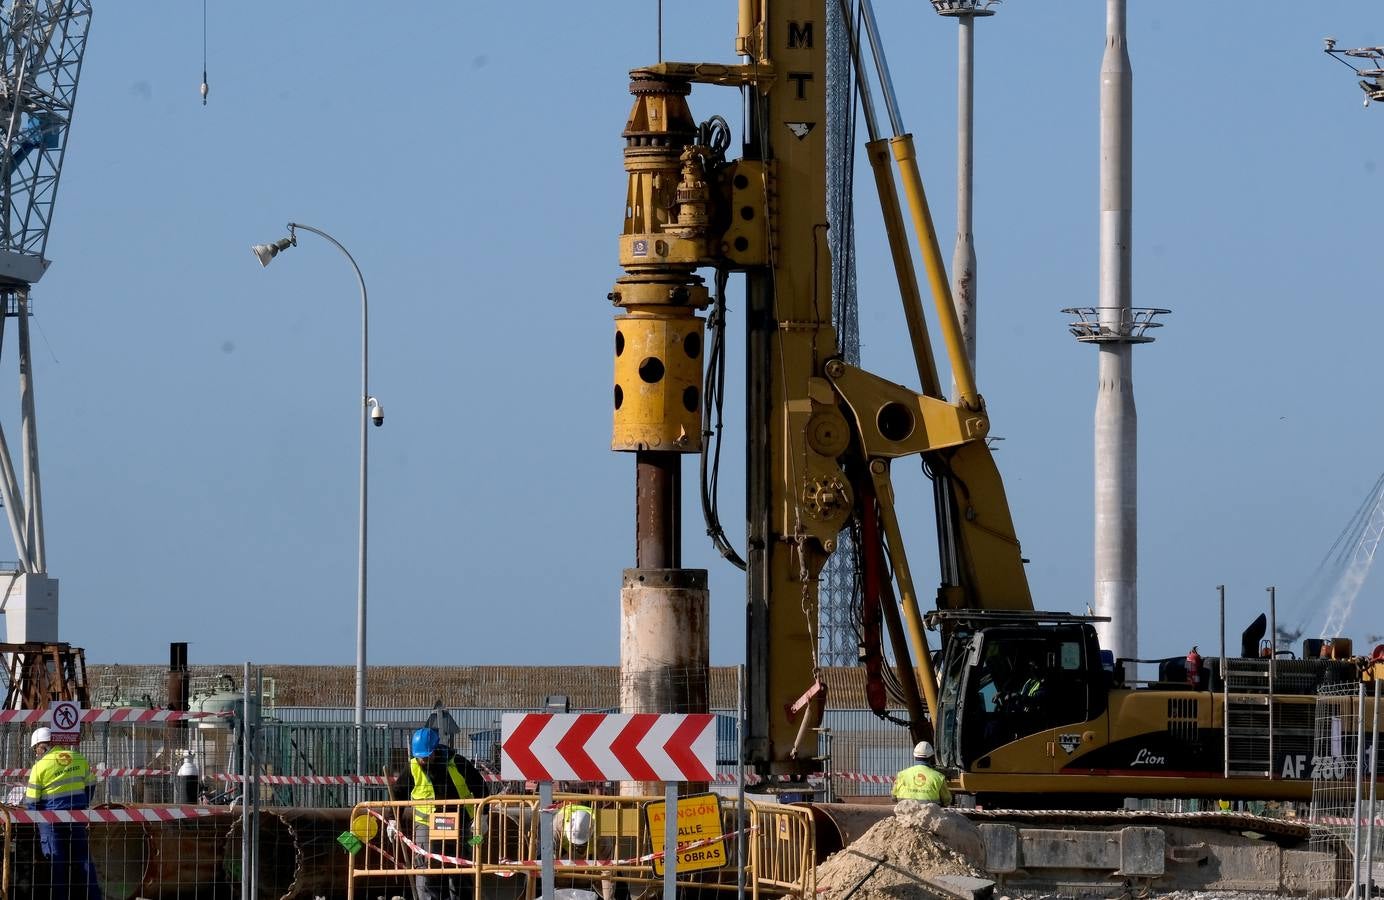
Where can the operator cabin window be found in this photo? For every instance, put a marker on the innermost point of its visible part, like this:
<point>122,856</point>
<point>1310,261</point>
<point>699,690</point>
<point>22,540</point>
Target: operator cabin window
<point>1025,685</point>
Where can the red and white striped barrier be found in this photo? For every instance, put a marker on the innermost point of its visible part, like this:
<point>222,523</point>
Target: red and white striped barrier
<point>633,861</point>
<point>127,715</point>
<point>98,771</point>
<point>392,831</point>
<point>135,772</point>
<point>861,776</point>
<point>142,814</point>
<point>1341,820</point>
<point>463,862</point>
<point>305,779</point>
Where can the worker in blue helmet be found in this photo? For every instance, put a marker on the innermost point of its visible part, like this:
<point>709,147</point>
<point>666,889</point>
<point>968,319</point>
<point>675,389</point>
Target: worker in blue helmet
<point>436,772</point>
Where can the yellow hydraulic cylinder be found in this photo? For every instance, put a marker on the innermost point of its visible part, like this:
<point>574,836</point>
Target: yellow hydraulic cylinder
<point>952,334</point>
<point>903,268</point>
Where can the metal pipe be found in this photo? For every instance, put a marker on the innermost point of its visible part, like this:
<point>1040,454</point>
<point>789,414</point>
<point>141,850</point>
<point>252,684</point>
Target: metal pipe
<point>867,100</point>
<point>246,880</point>
<point>1357,835</point>
<point>1225,694</point>
<point>891,100</point>
<point>364,493</point>
<point>740,823</point>
<point>254,864</point>
<point>964,254</point>
<point>1273,665</point>
<point>14,505</point>
<point>545,836</point>
<point>657,509</point>
<point>670,841</point>
<point>33,490</point>
<point>1374,784</point>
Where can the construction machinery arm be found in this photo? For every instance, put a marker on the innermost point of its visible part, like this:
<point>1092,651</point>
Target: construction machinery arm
<point>821,434</point>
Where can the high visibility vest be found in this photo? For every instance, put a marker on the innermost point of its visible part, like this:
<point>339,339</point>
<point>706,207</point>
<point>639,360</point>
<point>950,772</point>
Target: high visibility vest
<point>920,782</point>
<point>423,788</point>
<point>60,780</point>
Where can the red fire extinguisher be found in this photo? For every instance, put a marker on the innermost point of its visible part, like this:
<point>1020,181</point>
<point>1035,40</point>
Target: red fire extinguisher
<point>1193,667</point>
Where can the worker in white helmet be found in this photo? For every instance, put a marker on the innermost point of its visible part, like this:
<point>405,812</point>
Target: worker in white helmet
<point>921,781</point>
<point>61,778</point>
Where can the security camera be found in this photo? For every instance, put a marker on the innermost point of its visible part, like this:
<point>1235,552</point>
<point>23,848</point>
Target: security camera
<point>1330,44</point>
<point>376,411</point>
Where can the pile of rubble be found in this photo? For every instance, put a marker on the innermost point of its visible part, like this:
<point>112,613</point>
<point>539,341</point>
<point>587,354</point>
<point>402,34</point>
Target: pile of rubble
<point>905,856</point>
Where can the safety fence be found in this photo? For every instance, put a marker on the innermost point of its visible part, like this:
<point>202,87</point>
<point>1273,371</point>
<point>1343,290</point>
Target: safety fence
<point>482,845</point>
<point>137,761</point>
<point>137,754</point>
<point>1347,815</point>
<point>171,852</point>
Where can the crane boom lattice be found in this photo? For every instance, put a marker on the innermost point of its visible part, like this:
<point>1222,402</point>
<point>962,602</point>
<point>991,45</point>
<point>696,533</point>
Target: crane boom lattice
<point>1353,557</point>
<point>41,49</point>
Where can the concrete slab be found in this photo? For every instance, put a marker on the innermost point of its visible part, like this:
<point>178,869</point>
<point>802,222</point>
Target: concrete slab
<point>1142,850</point>
<point>1050,848</point>
<point>962,887</point>
<point>1001,848</point>
<point>1203,859</point>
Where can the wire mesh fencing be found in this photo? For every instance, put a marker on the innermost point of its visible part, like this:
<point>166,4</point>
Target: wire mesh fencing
<point>185,854</point>
<point>1346,818</point>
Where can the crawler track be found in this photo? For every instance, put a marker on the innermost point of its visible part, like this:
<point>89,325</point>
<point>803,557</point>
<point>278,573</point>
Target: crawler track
<point>1281,830</point>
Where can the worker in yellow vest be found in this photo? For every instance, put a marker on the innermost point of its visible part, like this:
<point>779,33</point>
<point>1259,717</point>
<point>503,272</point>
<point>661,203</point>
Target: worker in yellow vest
<point>436,772</point>
<point>921,781</point>
<point>61,779</point>
<point>575,826</point>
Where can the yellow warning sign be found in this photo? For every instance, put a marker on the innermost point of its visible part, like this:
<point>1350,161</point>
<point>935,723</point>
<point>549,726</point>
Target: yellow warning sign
<point>699,819</point>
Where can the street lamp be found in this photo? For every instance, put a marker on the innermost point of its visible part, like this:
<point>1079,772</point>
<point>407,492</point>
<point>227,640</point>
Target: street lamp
<point>371,411</point>
<point>964,255</point>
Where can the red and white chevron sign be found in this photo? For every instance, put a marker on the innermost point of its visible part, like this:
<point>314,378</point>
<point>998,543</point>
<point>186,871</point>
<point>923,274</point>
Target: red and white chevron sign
<point>607,747</point>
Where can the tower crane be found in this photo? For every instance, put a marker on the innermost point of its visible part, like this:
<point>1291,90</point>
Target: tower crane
<point>41,47</point>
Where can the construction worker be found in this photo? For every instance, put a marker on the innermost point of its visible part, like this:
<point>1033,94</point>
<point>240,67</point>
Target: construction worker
<point>1034,690</point>
<point>575,827</point>
<point>921,781</point>
<point>61,779</point>
<point>434,774</point>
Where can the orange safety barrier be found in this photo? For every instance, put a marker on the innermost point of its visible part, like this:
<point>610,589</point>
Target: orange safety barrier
<point>596,839</point>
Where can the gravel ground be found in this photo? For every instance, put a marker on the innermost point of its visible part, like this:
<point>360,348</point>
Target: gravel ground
<point>1174,895</point>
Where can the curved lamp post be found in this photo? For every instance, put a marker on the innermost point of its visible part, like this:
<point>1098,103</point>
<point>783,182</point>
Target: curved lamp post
<point>371,410</point>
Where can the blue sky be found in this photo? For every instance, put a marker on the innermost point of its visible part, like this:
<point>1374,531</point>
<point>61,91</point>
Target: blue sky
<point>198,414</point>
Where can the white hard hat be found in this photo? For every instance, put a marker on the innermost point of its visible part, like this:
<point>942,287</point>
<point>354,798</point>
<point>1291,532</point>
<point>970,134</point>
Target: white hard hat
<point>923,750</point>
<point>40,736</point>
<point>579,826</point>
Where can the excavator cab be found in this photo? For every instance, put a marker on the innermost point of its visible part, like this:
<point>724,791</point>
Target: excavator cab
<point>1009,675</point>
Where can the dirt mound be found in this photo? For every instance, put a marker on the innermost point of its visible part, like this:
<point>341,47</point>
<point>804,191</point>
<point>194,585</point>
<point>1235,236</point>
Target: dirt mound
<point>890,860</point>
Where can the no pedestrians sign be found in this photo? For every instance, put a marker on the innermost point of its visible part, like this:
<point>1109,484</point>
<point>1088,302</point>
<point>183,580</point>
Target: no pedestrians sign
<point>65,718</point>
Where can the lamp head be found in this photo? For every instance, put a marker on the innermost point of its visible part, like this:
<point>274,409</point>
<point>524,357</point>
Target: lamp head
<point>265,252</point>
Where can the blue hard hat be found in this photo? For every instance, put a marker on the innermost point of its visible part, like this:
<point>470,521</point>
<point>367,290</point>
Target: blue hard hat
<point>424,742</point>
